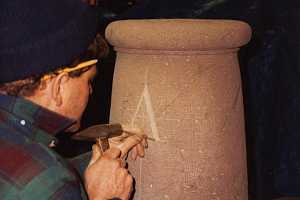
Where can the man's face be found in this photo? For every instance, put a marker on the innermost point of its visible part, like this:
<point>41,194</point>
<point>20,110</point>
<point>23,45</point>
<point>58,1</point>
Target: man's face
<point>75,95</point>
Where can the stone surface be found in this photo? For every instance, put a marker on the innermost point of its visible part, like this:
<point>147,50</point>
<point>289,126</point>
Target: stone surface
<point>178,34</point>
<point>179,81</point>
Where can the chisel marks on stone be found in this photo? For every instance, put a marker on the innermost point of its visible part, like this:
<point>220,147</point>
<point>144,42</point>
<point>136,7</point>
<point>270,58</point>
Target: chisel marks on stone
<point>146,98</point>
<point>150,113</point>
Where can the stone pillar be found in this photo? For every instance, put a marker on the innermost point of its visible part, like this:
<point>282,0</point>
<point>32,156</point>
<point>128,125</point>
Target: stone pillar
<point>179,81</point>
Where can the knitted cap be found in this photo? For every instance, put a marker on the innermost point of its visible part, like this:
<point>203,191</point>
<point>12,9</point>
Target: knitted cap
<point>39,36</point>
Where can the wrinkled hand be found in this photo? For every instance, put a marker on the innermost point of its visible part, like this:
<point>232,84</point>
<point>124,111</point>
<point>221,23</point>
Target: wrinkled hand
<point>134,143</point>
<point>105,178</point>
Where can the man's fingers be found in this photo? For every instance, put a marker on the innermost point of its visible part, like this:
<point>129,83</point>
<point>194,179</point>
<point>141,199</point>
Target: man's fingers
<point>134,153</point>
<point>129,143</point>
<point>129,180</point>
<point>128,187</point>
<point>112,153</point>
<point>129,184</point>
<point>140,150</point>
<point>145,143</point>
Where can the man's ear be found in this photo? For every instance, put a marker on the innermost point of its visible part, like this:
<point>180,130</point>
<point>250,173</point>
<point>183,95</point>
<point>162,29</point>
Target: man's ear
<point>56,90</point>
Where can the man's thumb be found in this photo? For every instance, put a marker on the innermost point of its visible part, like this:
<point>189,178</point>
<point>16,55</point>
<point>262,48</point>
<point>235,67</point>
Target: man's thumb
<point>96,154</point>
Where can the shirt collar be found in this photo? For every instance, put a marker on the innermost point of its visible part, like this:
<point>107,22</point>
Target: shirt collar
<point>43,124</point>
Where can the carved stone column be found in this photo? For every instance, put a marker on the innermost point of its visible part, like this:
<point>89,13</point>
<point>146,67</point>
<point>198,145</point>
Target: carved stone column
<point>179,81</point>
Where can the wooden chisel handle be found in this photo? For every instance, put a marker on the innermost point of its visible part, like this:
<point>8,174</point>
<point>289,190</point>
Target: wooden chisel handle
<point>103,144</point>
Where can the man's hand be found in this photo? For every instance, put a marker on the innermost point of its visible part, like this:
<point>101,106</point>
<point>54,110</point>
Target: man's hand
<point>105,178</point>
<point>134,143</point>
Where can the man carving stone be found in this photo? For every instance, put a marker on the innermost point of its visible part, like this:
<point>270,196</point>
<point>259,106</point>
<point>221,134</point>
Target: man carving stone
<point>48,53</point>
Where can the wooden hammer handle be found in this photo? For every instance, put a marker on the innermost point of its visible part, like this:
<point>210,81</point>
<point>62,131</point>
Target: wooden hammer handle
<point>103,144</point>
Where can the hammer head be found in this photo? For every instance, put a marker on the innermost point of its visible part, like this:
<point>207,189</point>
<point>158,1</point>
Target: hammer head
<point>102,131</point>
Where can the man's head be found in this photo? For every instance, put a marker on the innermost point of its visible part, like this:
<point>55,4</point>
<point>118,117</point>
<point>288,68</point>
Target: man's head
<point>66,90</point>
<point>66,93</point>
<point>54,37</point>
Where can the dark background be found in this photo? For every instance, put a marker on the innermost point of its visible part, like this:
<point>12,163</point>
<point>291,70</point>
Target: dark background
<point>270,72</point>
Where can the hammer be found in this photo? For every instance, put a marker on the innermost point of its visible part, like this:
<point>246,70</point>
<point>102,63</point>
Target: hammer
<point>102,132</point>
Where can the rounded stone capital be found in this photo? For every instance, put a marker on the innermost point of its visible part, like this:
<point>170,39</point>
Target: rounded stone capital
<point>178,34</point>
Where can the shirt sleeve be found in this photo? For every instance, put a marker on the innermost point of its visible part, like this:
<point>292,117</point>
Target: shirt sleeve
<point>69,190</point>
<point>55,183</point>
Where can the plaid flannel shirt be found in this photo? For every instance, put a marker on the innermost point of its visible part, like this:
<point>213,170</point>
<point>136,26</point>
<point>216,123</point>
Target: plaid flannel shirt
<point>29,169</point>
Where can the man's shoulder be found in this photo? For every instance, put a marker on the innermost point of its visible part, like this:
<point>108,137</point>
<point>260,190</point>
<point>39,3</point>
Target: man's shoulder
<point>31,169</point>
<point>20,151</point>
